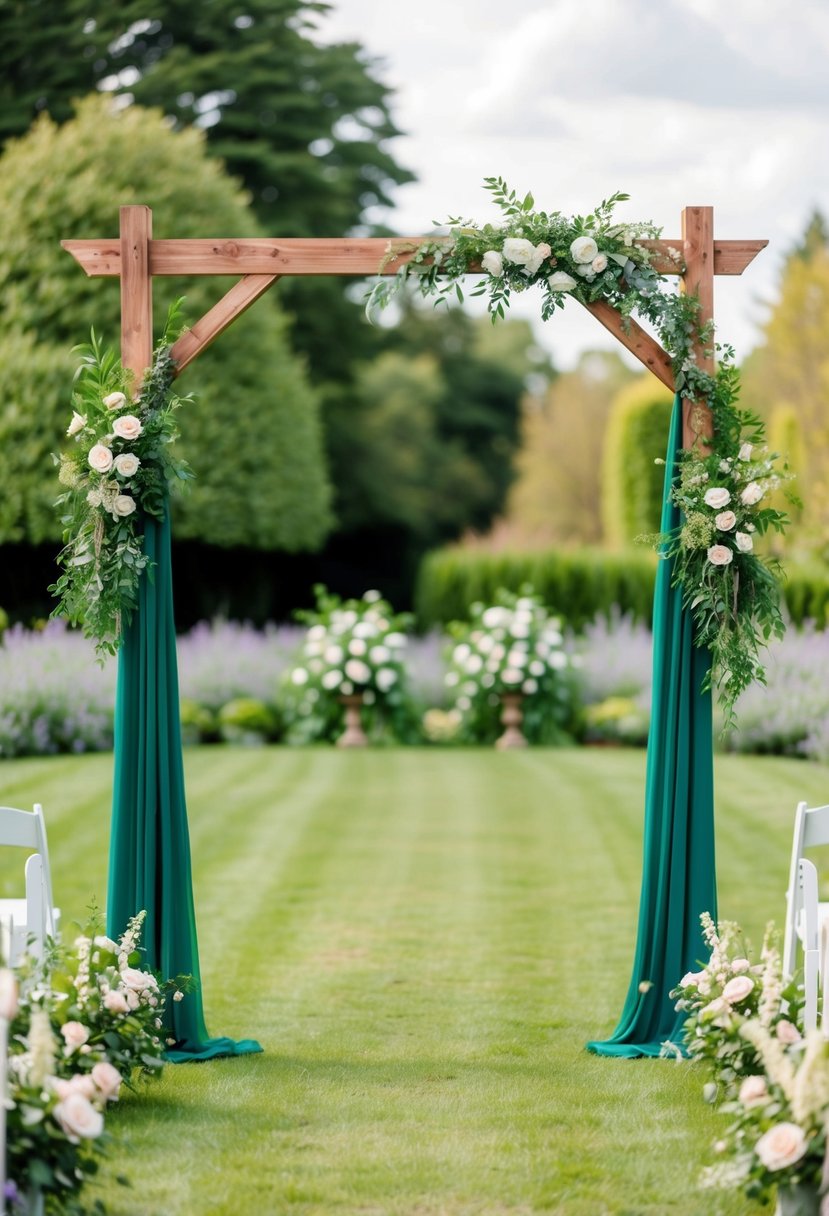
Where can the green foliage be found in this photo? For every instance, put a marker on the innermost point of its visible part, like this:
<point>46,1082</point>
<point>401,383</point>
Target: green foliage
<point>120,470</point>
<point>579,585</point>
<point>632,481</point>
<point>246,718</point>
<point>254,436</point>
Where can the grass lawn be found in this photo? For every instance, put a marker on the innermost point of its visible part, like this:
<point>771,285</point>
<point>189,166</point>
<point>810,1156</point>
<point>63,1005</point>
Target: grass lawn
<point>422,940</point>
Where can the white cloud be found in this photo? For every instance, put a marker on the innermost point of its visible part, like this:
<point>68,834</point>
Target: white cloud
<point>678,102</point>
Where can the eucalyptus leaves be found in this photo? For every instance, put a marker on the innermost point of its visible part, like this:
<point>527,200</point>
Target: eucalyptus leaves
<point>731,591</point>
<point>117,474</point>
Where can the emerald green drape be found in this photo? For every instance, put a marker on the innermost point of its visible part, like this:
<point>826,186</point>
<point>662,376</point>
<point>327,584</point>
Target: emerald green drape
<point>678,879</point>
<point>149,861</point>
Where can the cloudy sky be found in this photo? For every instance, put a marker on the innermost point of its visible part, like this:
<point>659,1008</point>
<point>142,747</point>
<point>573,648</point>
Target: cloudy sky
<point>677,102</point>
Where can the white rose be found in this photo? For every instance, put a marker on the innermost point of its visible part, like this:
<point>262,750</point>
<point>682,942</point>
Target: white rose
<point>127,427</point>
<point>781,1146</point>
<point>717,497</point>
<point>358,671</point>
<point>78,1118</point>
<point>100,458</point>
<point>691,979</point>
<point>379,654</point>
<point>586,271</point>
<point>511,675</point>
<point>493,263</point>
<point>740,965</point>
<point>750,495</point>
<point>127,464</point>
<point>136,980</point>
<point>599,262</point>
<point>357,646</point>
<point>529,687</point>
<point>74,1034</point>
<point>745,452</point>
<point>316,633</point>
<point>107,1079</point>
<point>116,1002</point>
<point>560,280</point>
<point>332,680</point>
<point>77,424</point>
<point>333,655</point>
<point>725,521</point>
<point>473,664</point>
<point>720,555</point>
<point>754,1092</point>
<point>123,505</point>
<point>540,253</point>
<point>745,543</point>
<point>299,676</point>
<point>787,1032</point>
<point>81,1084</point>
<point>518,250</point>
<point>115,401</point>
<point>558,660</point>
<point>583,249</point>
<point>105,943</point>
<point>738,989</point>
<point>386,678</point>
<point>396,640</point>
<point>8,994</point>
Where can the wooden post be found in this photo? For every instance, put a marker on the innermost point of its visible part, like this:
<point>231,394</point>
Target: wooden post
<point>136,291</point>
<point>698,280</point>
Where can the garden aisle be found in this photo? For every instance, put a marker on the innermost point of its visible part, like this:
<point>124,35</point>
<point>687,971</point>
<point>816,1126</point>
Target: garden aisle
<point>422,940</point>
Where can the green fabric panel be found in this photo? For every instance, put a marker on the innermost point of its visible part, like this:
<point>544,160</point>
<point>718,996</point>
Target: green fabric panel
<point>678,878</point>
<point>149,860</point>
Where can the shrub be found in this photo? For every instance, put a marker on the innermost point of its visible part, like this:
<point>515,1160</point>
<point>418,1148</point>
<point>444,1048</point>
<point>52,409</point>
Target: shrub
<point>632,483</point>
<point>246,720</point>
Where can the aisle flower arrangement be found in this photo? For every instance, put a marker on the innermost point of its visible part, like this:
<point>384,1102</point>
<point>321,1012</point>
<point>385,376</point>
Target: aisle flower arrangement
<point>727,586</point>
<point>351,647</point>
<point>86,1021</point>
<point>513,646</point>
<point>118,472</point>
<point>771,1081</point>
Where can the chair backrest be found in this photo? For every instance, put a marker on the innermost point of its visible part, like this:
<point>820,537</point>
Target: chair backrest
<point>27,830</point>
<point>811,829</point>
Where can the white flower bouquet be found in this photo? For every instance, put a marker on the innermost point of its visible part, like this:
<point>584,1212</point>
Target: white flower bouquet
<point>511,646</point>
<point>773,1083</point>
<point>82,1023</point>
<point>117,473</point>
<point>352,648</point>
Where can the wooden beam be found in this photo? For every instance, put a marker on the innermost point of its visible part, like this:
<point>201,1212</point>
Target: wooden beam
<point>136,291</point>
<point>698,280</point>
<point>232,304</point>
<point>640,343</point>
<point>332,255</point>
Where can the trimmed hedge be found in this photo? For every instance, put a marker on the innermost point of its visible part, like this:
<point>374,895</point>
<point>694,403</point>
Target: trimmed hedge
<point>579,585</point>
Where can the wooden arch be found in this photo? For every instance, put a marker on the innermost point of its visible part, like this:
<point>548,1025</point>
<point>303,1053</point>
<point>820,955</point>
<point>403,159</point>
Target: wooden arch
<point>136,258</point>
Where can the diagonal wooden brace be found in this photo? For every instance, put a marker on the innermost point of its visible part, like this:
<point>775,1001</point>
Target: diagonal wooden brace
<point>232,304</point>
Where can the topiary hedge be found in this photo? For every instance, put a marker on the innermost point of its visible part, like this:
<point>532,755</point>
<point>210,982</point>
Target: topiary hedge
<point>579,585</point>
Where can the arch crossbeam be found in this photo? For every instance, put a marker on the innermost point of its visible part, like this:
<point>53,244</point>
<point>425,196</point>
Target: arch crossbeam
<point>136,258</point>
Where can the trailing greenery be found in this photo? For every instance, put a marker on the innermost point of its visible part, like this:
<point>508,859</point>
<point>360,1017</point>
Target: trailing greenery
<point>632,481</point>
<point>733,598</point>
<point>119,473</point>
<point>579,585</point>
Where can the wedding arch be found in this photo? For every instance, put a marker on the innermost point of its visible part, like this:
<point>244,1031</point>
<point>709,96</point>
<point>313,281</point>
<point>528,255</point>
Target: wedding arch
<point>149,864</point>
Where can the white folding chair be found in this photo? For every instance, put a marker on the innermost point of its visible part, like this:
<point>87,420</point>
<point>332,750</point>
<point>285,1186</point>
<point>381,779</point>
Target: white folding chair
<point>805,913</point>
<point>26,923</point>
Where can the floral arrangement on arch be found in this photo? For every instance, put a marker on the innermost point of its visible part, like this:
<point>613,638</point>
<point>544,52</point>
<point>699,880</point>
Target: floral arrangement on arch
<point>118,472</point>
<point>771,1081</point>
<point>352,647</point>
<point>595,257</point>
<point>511,646</point>
<point>82,1023</point>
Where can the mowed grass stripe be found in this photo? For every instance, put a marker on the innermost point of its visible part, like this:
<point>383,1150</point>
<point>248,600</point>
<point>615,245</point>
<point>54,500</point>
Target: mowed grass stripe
<point>424,940</point>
